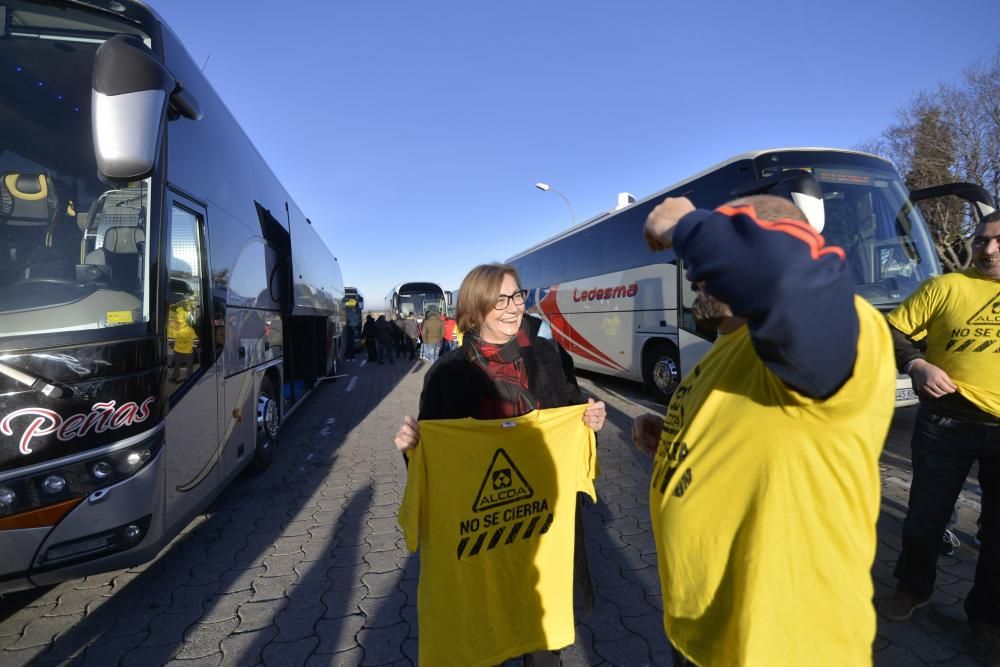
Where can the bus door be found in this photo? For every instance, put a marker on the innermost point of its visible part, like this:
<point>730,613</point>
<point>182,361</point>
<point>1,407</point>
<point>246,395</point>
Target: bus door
<point>694,338</point>
<point>192,446</point>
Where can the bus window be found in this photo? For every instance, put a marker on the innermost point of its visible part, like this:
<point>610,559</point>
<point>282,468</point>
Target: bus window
<point>185,300</point>
<point>885,245</point>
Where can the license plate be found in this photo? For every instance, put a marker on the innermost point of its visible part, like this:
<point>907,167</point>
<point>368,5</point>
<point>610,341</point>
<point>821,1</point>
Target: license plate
<point>905,395</point>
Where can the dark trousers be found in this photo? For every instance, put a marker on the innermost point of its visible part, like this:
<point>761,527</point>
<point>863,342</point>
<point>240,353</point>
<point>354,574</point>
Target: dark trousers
<point>385,351</point>
<point>371,349</point>
<point>944,450</point>
<point>410,345</point>
<point>181,360</point>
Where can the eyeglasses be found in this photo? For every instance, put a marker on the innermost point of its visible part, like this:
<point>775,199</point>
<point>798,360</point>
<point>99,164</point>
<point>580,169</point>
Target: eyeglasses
<point>504,299</point>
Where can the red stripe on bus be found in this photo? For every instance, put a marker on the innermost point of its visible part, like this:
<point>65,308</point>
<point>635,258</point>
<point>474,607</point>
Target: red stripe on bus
<point>557,320</point>
<point>564,340</point>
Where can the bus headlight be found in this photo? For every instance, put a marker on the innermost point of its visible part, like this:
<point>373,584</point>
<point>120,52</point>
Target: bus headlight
<point>134,459</point>
<point>54,484</point>
<point>101,470</point>
<point>76,479</point>
<point>7,498</point>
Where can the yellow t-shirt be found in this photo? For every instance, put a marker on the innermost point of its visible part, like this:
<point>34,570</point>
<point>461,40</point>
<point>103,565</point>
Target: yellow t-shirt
<point>183,335</point>
<point>492,504</point>
<point>763,504</point>
<point>960,315</point>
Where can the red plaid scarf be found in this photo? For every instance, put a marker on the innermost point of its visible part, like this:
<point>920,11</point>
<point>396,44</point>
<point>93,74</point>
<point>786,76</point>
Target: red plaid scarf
<point>505,366</point>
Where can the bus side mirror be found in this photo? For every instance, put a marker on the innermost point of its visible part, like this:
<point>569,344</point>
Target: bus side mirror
<point>131,94</point>
<point>976,195</point>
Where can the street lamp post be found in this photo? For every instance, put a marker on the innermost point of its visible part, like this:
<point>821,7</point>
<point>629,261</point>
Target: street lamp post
<point>545,187</point>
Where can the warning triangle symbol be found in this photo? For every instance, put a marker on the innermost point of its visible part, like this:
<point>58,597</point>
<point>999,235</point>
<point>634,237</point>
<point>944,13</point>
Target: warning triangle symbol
<point>502,485</point>
<point>988,315</point>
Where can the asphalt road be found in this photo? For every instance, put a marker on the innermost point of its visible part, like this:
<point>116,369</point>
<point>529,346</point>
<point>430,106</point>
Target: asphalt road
<point>304,565</point>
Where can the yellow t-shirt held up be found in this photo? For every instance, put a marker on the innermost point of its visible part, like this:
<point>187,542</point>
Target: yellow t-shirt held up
<point>960,315</point>
<point>763,504</point>
<point>492,506</point>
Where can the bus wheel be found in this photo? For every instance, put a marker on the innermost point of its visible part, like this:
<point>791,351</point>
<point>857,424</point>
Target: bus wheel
<point>660,371</point>
<point>268,420</point>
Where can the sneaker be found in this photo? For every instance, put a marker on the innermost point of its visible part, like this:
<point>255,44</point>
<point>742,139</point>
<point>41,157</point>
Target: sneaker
<point>949,542</point>
<point>900,607</point>
<point>986,641</point>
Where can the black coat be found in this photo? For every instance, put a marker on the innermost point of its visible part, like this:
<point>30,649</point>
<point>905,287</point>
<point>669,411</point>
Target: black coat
<point>454,386</point>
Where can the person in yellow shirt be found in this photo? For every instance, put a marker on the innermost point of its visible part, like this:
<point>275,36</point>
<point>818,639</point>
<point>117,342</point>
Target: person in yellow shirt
<point>765,486</point>
<point>184,335</point>
<point>958,423</point>
<point>504,370</point>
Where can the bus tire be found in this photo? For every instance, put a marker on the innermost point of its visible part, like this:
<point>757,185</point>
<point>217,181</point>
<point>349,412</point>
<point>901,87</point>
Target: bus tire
<point>268,421</point>
<point>660,370</point>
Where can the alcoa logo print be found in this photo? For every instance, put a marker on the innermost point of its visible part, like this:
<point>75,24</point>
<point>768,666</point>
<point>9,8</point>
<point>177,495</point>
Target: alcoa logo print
<point>104,416</point>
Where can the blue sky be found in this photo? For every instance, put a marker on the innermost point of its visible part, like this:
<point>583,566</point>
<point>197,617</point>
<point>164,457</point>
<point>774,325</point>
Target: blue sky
<point>412,133</point>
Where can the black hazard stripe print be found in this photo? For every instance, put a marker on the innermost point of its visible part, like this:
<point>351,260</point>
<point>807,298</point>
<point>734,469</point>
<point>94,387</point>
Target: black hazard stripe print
<point>496,535</point>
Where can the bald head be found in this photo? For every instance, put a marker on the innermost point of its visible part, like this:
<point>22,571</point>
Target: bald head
<point>769,207</point>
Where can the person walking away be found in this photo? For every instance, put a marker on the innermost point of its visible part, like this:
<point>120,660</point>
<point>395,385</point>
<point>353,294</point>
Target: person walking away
<point>368,334</point>
<point>958,424</point>
<point>349,341</point>
<point>383,335</point>
<point>432,333</point>
<point>765,487</point>
<point>448,342</point>
<point>397,335</point>
<point>411,332</point>
<point>503,371</point>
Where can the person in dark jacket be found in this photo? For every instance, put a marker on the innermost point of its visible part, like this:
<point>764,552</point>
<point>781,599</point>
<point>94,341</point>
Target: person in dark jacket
<point>411,332</point>
<point>503,369</point>
<point>398,338</point>
<point>368,334</point>
<point>349,341</point>
<point>383,336</point>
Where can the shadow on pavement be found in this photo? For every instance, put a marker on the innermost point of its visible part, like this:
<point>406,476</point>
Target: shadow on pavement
<point>276,558</point>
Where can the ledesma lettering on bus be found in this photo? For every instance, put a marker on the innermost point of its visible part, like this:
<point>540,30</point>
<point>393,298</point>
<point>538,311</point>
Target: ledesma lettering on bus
<point>604,293</point>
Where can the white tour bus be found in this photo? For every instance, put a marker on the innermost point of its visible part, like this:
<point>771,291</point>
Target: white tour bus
<point>416,298</point>
<point>164,304</point>
<point>621,310</point>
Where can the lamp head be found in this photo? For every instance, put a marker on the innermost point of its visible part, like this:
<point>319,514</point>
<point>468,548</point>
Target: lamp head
<point>544,187</point>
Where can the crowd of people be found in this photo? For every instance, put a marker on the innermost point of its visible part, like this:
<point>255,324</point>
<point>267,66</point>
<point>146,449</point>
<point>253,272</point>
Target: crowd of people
<point>765,487</point>
<point>385,340</point>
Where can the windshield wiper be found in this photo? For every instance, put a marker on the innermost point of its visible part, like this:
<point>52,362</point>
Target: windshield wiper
<point>48,387</point>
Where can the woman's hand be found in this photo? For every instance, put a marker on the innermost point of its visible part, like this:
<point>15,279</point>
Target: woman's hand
<point>595,415</point>
<point>408,434</point>
<point>646,432</point>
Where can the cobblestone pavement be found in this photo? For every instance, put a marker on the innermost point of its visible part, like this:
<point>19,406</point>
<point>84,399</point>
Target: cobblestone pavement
<point>304,565</point>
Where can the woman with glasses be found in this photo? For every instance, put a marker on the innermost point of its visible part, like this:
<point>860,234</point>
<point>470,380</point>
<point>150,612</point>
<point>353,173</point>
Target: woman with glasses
<point>504,369</point>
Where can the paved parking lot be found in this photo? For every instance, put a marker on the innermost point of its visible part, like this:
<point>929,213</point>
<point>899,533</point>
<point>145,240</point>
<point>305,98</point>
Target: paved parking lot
<point>304,565</point>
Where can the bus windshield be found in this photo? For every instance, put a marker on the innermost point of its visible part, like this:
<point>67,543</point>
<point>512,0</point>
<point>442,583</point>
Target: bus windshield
<point>73,251</point>
<point>421,298</point>
<point>869,214</point>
